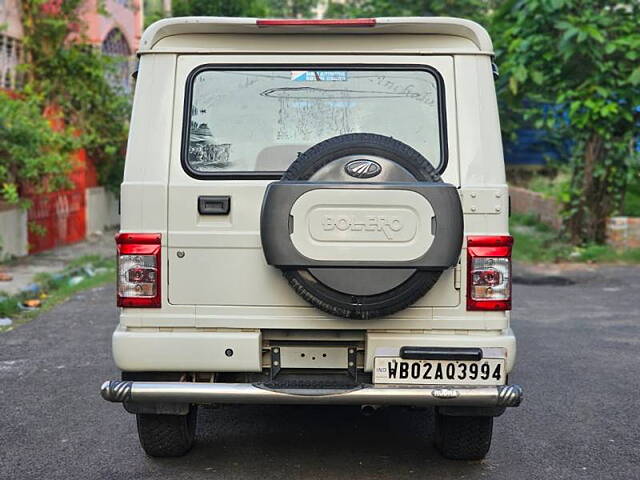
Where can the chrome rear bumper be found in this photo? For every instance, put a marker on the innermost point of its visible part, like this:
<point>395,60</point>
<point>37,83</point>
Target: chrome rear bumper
<point>246,393</point>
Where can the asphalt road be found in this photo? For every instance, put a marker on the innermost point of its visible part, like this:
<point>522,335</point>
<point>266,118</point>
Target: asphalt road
<point>579,362</point>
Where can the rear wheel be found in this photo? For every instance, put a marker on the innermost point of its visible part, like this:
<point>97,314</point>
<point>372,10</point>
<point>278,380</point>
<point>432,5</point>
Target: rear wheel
<point>463,438</point>
<point>167,435</point>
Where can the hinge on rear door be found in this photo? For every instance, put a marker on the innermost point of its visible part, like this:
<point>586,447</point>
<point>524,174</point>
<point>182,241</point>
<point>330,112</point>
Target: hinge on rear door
<point>457,277</point>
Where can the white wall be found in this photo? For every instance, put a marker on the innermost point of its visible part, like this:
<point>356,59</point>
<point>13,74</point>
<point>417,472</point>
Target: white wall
<point>13,232</point>
<point>102,210</point>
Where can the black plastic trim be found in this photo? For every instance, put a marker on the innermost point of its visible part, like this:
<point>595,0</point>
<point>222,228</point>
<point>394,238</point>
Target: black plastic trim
<point>440,353</point>
<point>442,113</point>
<point>214,205</point>
<point>280,251</point>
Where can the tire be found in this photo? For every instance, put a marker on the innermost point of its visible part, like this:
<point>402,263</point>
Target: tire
<point>328,150</point>
<point>361,307</point>
<point>463,438</point>
<point>343,304</point>
<point>167,435</point>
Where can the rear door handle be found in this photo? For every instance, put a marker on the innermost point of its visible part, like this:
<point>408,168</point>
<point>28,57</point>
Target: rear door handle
<point>214,205</point>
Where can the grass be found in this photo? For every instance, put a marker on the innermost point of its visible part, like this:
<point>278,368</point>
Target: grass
<point>89,271</point>
<point>556,187</point>
<point>536,242</point>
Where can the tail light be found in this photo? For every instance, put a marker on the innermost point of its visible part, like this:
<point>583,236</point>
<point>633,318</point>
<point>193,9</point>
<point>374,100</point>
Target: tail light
<point>138,269</point>
<point>489,272</point>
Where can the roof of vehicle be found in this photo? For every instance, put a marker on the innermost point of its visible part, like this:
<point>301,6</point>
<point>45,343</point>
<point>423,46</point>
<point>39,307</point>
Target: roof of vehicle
<point>456,27</point>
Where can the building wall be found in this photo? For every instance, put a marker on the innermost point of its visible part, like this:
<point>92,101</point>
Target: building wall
<point>526,202</point>
<point>125,15</point>
<point>117,33</point>
<point>10,44</point>
<point>102,210</point>
<point>623,232</point>
<point>13,232</point>
<point>10,18</point>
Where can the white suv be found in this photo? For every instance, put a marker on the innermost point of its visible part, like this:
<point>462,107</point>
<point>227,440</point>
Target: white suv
<point>315,212</point>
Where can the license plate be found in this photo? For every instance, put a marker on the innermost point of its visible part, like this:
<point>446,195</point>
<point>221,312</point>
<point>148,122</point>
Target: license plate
<point>394,370</point>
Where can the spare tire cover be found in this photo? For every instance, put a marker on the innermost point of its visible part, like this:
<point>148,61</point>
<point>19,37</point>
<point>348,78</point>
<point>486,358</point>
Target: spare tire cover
<point>361,293</point>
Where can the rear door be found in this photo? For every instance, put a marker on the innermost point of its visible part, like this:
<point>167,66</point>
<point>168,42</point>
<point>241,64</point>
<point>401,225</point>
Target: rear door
<point>239,123</point>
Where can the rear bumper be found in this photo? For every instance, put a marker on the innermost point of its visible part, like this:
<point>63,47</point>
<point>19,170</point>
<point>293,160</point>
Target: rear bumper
<point>246,393</point>
<point>205,351</point>
<point>189,351</point>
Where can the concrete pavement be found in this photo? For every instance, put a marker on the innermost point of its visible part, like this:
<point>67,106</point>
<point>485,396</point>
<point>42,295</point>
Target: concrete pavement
<point>24,269</point>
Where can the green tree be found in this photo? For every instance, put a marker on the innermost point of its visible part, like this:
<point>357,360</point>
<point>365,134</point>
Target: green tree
<point>245,8</point>
<point>153,11</point>
<point>291,8</point>
<point>64,71</point>
<point>472,9</point>
<point>222,8</point>
<point>31,153</point>
<point>580,58</point>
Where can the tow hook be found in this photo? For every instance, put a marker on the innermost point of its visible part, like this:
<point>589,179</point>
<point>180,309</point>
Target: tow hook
<point>369,410</point>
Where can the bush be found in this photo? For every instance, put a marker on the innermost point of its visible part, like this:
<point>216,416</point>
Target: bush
<point>631,206</point>
<point>67,75</point>
<point>31,152</point>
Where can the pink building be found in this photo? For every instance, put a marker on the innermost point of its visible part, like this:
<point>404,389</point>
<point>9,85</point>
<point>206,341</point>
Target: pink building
<point>117,33</point>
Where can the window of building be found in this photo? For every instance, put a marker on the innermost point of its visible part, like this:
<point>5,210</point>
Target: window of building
<point>115,45</point>
<point>10,58</point>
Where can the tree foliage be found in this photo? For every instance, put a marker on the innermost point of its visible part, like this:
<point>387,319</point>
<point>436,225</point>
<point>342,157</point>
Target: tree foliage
<point>569,67</point>
<point>68,72</point>
<point>31,152</point>
<point>65,75</point>
<point>291,8</point>
<point>245,8</point>
<point>472,9</point>
<point>572,68</point>
<point>222,8</point>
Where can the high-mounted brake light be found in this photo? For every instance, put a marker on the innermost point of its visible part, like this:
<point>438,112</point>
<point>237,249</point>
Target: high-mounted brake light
<point>338,22</point>
<point>138,270</point>
<point>489,272</point>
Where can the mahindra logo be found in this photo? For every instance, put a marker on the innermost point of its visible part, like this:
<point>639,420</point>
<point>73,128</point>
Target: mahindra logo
<point>369,223</point>
<point>445,393</point>
<point>362,168</point>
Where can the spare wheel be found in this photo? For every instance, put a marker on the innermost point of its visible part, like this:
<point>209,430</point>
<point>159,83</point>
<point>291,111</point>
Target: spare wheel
<point>361,225</point>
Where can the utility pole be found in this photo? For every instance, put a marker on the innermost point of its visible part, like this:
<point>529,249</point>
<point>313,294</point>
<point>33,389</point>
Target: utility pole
<point>166,8</point>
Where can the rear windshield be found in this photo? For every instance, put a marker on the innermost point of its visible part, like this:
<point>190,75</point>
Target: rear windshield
<point>258,121</point>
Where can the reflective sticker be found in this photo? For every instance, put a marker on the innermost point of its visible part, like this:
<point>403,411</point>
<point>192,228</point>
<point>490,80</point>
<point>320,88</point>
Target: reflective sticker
<point>318,76</point>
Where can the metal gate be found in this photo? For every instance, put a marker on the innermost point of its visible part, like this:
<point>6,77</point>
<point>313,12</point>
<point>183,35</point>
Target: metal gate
<point>59,218</point>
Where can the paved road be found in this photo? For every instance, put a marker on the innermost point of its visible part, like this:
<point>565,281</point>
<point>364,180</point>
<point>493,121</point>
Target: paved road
<point>579,359</point>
